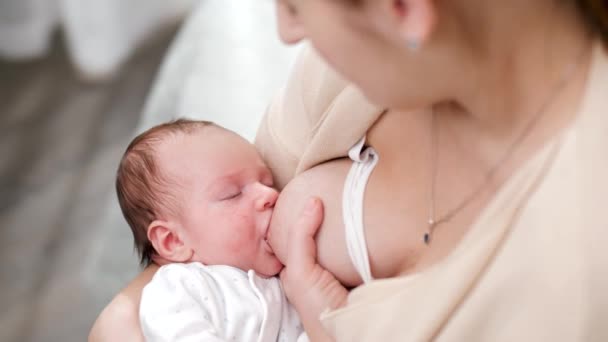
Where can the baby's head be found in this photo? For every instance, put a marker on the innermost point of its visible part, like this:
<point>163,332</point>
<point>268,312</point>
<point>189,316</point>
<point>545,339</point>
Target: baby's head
<point>193,191</point>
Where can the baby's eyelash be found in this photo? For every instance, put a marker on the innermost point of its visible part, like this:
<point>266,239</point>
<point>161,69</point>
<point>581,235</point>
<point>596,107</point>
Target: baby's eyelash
<point>233,196</point>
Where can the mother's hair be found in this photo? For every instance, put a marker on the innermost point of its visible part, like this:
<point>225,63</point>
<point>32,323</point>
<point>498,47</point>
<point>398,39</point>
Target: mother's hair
<point>595,14</point>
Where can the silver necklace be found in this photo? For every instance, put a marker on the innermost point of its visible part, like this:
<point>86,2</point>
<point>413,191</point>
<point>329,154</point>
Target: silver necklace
<point>434,220</point>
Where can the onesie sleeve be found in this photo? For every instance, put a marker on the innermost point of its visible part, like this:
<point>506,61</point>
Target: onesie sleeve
<point>171,308</point>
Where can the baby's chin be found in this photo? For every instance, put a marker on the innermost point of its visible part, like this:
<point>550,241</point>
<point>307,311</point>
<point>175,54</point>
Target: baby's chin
<point>270,268</point>
<point>276,247</point>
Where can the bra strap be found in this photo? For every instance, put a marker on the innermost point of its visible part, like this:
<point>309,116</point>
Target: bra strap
<point>364,162</point>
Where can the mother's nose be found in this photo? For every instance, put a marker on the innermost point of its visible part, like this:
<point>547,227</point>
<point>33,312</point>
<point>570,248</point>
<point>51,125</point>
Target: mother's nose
<point>266,197</point>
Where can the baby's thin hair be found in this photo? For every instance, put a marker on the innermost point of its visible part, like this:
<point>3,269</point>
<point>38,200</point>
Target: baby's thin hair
<point>144,192</point>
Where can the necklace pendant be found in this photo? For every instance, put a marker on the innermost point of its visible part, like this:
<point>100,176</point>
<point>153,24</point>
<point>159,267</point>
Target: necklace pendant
<point>427,235</point>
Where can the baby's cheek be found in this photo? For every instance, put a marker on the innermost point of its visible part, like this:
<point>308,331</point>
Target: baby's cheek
<point>239,232</point>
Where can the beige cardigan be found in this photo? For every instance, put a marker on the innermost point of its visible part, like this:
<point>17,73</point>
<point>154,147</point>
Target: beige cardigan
<point>532,267</point>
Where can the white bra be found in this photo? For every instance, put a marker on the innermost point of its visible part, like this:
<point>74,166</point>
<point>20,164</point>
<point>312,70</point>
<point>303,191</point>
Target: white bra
<point>364,161</point>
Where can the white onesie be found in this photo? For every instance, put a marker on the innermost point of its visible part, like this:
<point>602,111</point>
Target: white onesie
<point>194,302</point>
<point>364,161</point>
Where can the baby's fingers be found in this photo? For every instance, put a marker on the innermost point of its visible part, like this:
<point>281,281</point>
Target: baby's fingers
<point>302,253</point>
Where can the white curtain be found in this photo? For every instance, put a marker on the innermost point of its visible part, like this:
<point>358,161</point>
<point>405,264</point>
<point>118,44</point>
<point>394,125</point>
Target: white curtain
<point>225,66</point>
<point>101,34</point>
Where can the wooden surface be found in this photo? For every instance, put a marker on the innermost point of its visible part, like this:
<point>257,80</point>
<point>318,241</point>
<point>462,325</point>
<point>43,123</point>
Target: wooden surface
<point>60,140</point>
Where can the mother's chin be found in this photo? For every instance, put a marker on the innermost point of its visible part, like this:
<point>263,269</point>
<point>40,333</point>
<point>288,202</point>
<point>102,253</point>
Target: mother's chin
<point>326,182</point>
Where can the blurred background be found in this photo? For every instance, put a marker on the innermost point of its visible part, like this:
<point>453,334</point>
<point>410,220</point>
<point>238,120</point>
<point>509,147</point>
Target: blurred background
<point>78,79</point>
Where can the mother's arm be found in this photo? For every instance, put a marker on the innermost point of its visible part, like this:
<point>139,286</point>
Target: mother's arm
<point>119,321</point>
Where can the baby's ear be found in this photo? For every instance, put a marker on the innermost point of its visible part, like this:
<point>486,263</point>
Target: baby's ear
<point>167,242</point>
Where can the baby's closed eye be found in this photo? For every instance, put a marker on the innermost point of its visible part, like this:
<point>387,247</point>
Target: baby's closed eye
<point>231,195</point>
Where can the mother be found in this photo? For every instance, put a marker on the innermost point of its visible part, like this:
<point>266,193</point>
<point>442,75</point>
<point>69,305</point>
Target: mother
<point>485,210</point>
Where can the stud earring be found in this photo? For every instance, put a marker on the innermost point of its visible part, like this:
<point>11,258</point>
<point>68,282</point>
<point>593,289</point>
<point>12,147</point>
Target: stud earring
<point>413,44</point>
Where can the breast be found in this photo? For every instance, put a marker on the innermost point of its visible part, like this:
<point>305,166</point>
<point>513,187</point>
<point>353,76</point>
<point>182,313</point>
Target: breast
<point>391,244</point>
<point>325,181</point>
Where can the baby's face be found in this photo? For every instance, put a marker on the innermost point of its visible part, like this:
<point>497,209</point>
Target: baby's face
<point>225,198</point>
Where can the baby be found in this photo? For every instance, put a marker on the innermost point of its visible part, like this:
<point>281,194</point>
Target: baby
<point>199,199</point>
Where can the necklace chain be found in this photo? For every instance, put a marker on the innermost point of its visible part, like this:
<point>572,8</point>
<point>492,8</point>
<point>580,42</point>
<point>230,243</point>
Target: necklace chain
<point>435,221</point>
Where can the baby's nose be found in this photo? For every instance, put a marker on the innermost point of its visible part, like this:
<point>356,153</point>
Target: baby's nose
<point>267,197</point>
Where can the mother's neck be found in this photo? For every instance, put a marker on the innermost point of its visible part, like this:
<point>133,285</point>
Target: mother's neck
<point>519,52</point>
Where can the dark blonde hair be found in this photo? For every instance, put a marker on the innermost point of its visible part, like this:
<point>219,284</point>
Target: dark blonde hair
<point>595,13</point>
<point>143,190</point>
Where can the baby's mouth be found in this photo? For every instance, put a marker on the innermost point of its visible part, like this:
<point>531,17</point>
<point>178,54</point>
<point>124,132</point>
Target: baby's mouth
<point>267,246</point>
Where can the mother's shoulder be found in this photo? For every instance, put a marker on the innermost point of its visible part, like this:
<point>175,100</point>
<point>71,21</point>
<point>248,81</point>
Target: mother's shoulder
<point>316,117</point>
<point>313,83</point>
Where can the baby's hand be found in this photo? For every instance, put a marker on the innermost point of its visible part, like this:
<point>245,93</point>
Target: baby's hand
<point>308,286</point>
